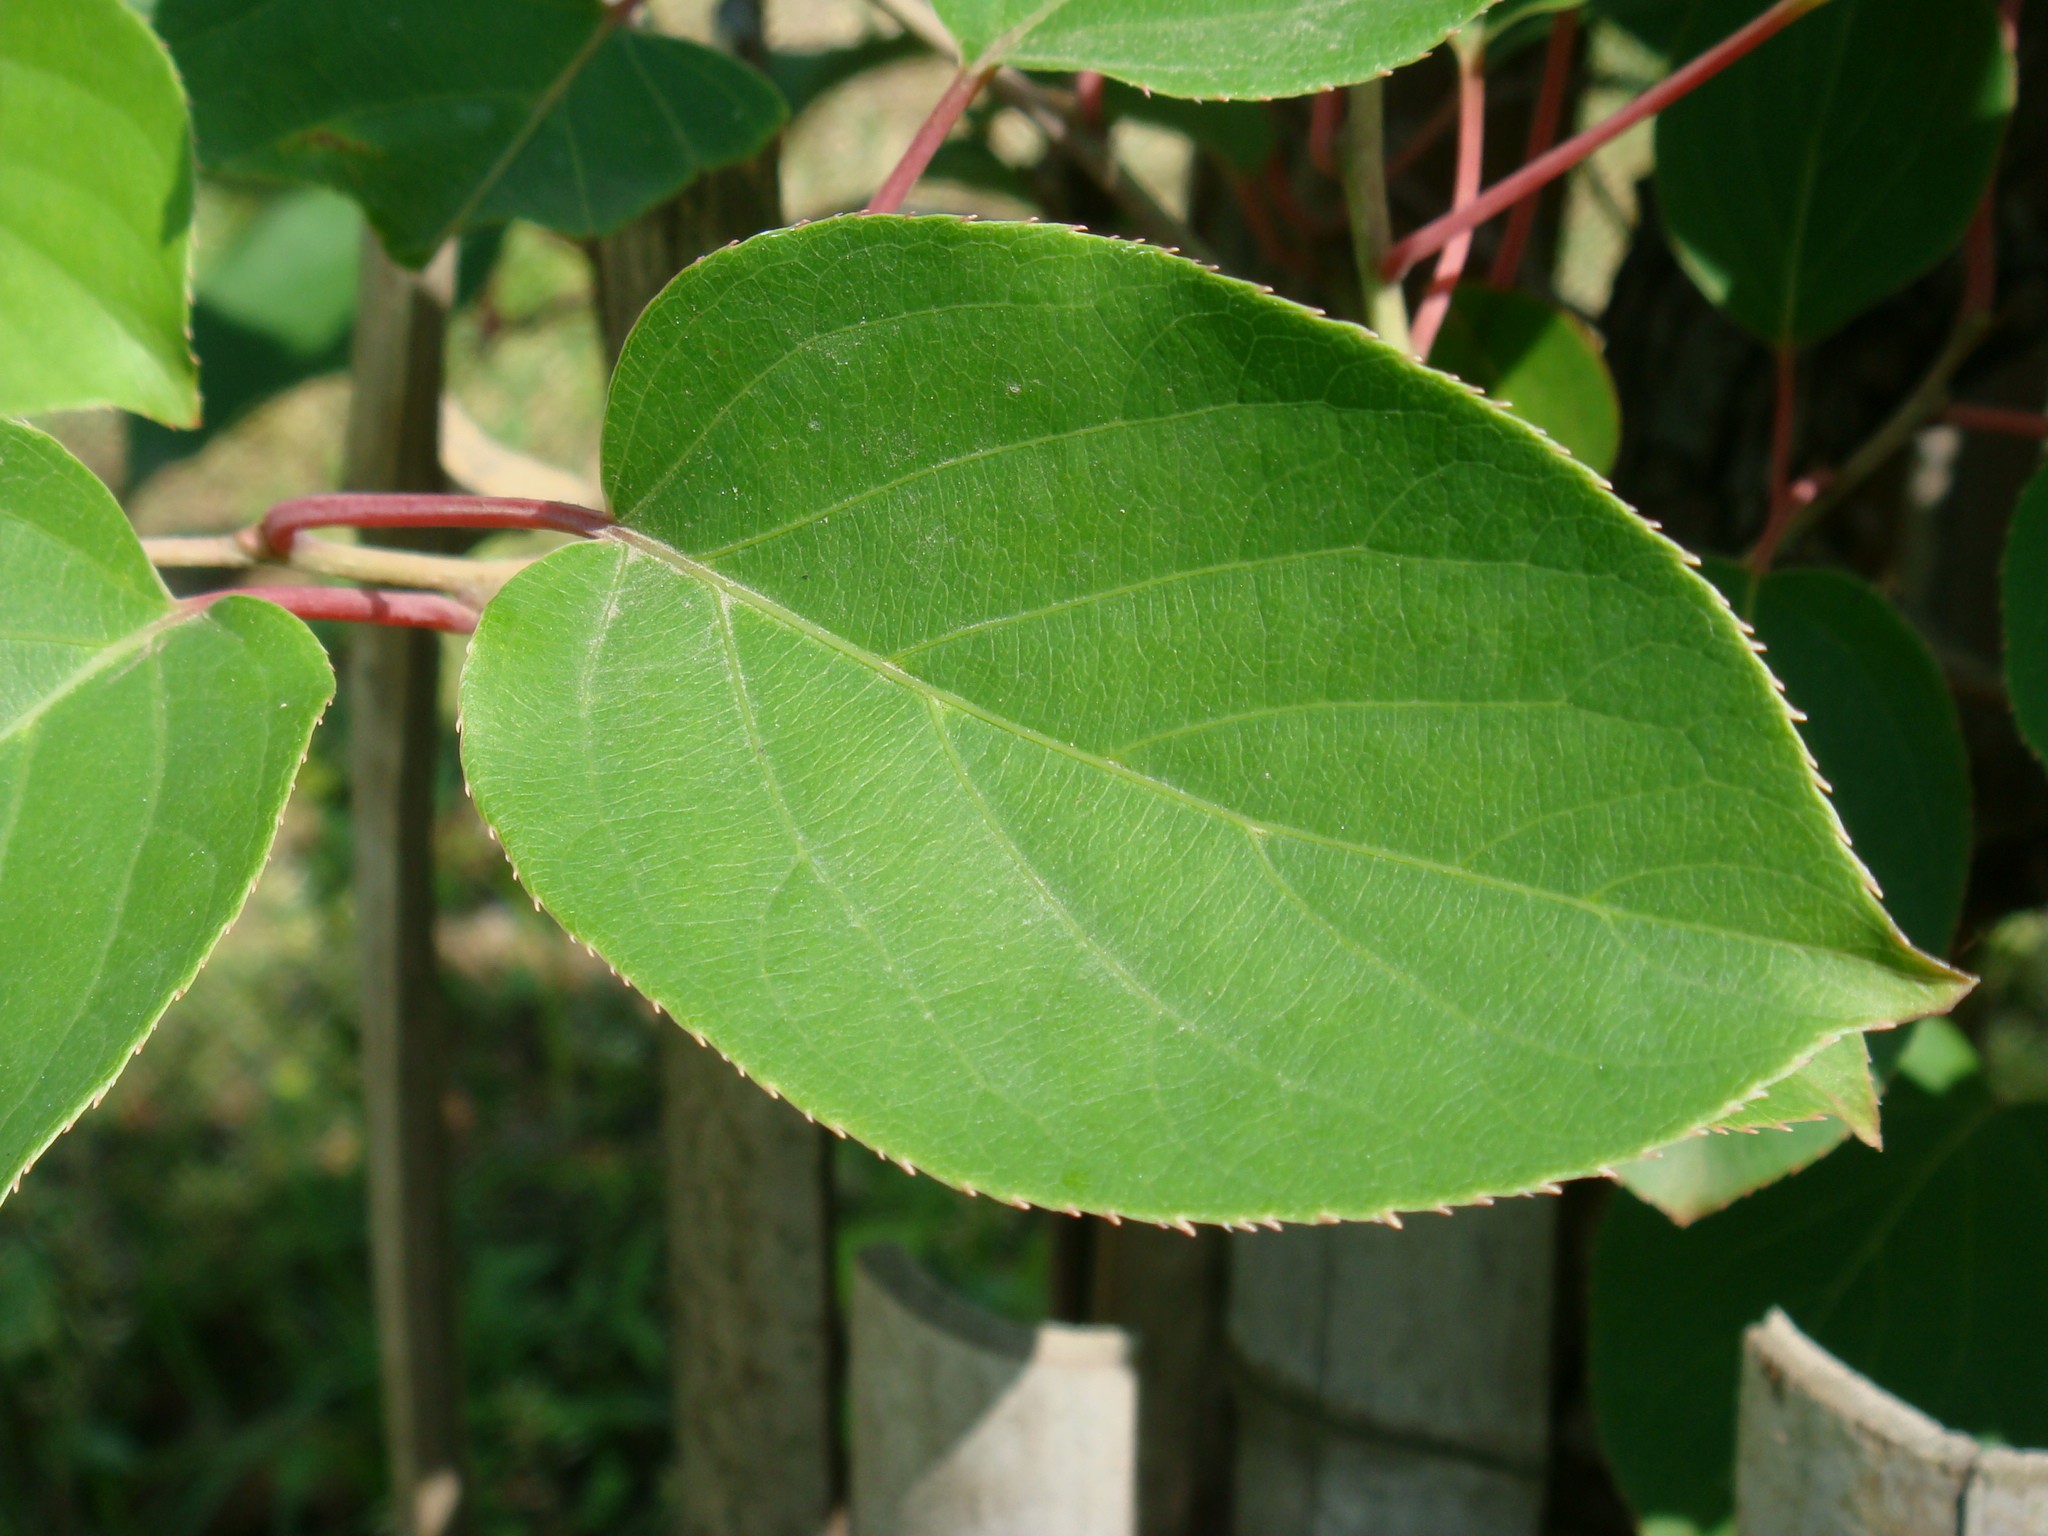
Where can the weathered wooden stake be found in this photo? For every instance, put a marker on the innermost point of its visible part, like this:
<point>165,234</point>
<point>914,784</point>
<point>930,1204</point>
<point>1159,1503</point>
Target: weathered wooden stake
<point>965,1424</point>
<point>393,444</point>
<point>1823,1451</point>
<point>1396,1382</point>
<point>754,1335</point>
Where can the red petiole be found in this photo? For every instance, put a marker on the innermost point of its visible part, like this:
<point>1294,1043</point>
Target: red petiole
<point>284,522</point>
<point>353,605</point>
<point>931,134</point>
<point>1786,499</point>
<point>1450,267</point>
<point>1546,168</point>
<point>1543,126</point>
<point>1998,419</point>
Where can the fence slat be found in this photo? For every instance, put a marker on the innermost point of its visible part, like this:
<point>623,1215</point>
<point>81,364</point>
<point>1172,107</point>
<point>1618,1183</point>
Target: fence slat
<point>393,678</point>
<point>965,1424</point>
<point>1823,1451</point>
<point>1395,1381</point>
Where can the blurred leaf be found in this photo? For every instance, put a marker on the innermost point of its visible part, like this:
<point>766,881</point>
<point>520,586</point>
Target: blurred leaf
<point>1924,1266</point>
<point>1835,164</point>
<point>2024,588</point>
<point>1208,48</point>
<point>971,163</point>
<point>441,118</point>
<point>275,309</point>
<point>145,754</point>
<point>1143,713</point>
<point>1659,25</point>
<point>1883,728</point>
<point>804,77</point>
<point>1545,364</point>
<point>95,214</point>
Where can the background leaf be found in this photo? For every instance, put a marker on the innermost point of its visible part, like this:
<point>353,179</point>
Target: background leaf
<point>145,755</point>
<point>1054,709</point>
<point>1208,48</point>
<point>1923,1266</point>
<point>2024,582</point>
<point>95,214</point>
<point>1883,728</point>
<point>1545,364</point>
<point>446,117</point>
<point>1836,163</point>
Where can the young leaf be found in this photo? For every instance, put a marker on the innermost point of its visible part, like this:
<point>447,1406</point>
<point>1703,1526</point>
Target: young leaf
<point>1923,1266</point>
<point>1208,48</point>
<point>2024,583</point>
<point>1111,738</point>
<point>1883,728</point>
<point>145,754</point>
<point>1544,364</point>
<point>1795,1124</point>
<point>440,118</point>
<point>95,214</point>
<point>1835,164</point>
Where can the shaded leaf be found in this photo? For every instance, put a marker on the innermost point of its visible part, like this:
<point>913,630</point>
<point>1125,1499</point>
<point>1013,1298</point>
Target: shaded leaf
<point>1208,48</point>
<point>1883,727</point>
<point>1545,364</point>
<point>1835,164</point>
<point>145,754</point>
<point>1241,133</point>
<point>95,214</point>
<point>1923,1266</point>
<point>441,118</point>
<point>1112,738</point>
<point>804,77</point>
<point>2024,589</point>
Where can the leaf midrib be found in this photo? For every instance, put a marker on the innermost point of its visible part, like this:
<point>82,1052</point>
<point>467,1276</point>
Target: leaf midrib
<point>725,586</point>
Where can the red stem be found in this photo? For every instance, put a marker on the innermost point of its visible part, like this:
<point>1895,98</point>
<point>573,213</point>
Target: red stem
<point>1546,168</point>
<point>1325,122</point>
<point>1088,97</point>
<point>353,605</point>
<point>1999,419</point>
<point>1429,316</point>
<point>283,523</point>
<point>959,96</point>
<point>1785,501</point>
<point>1557,77</point>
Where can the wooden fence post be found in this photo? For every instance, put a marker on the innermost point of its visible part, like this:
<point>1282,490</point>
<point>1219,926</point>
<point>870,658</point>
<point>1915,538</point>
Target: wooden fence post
<point>1823,1451</point>
<point>393,679</point>
<point>753,1329</point>
<point>1395,1382</point>
<point>965,1424</point>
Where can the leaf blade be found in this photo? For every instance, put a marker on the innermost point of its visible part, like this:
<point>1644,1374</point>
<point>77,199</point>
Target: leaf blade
<point>145,755</point>
<point>1039,594</point>
<point>95,215</point>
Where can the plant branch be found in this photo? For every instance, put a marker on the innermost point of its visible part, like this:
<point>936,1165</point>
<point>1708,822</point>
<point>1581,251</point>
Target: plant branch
<point>1543,125</point>
<point>274,537</point>
<point>959,95</point>
<point>1382,305</point>
<point>1325,123</point>
<point>474,581</point>
<point>1784,501</point>
<point>352,605</point>
<point>1056,118</point>
<point>1546,168</point>
<point>1450,266</point>
<point>1998,419</point>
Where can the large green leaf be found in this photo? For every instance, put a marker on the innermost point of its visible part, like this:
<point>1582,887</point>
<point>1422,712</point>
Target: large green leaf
<point>443,117</point>
<point>95,214</point>
<point>1836,163</point>
<point>1544,364</point>
<point>1208,48</point>
<point>2024,585</point>
<point>145,754</point>
<point>1883,728</point>
<point>1112,738</point>
<point>1924,1266</point>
